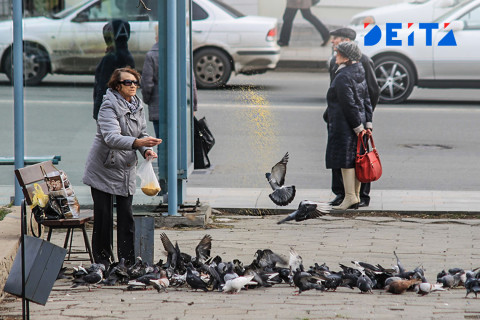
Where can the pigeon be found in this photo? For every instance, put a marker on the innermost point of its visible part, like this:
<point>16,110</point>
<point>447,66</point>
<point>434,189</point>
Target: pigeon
<point>236,284</point>
<point>281,195</point>
<point>451,281</point>
<point>295,261</point>
<point>230,274</point>
<point>117,272</point>
<point>305,281</point>
<point>172,252</point>
<point>307,210</point>
<point>365,284</point>
<point>472,285</point>
<point>400,286</point>
<point>95,276</point>
<point>195,281</point>
<point>267,259</point>
<point>162,283</point>
<point>202,251</point>
<point>425,288</point>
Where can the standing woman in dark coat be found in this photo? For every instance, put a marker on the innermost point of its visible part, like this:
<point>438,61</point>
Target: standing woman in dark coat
<point>116,34</point>
<point>349,113</point>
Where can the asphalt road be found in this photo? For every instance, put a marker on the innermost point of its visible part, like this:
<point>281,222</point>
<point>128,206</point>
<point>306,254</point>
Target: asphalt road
<point>428,143</point>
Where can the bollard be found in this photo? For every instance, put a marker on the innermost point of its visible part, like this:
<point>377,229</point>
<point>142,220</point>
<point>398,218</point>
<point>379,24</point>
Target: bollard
<point>144,237</point>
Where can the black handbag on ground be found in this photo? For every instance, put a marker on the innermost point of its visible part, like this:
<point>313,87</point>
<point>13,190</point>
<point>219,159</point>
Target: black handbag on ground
<point>206,134</point>
<point>203,143</point>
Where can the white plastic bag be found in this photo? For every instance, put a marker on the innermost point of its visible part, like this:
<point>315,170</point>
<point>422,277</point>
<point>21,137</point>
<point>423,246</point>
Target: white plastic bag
<point>149,183</point>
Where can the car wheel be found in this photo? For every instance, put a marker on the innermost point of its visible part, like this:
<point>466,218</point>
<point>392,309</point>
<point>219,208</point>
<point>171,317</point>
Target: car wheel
<point>396,79</point>
<point>35,65</point>
<point>212,68</point>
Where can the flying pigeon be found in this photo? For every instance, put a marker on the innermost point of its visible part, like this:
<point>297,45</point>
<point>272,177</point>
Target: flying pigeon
<point>307,210</point>
<point>281,195</point>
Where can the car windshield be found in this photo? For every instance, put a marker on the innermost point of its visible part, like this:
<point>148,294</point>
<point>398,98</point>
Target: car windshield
<point>66,12</point>
<point>444,16</point>
<point>230,10</point>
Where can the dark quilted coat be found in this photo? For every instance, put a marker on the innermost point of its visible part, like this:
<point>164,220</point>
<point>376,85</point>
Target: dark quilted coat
<point>348,108</point>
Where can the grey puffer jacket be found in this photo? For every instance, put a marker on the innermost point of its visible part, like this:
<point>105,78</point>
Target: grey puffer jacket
<point>299,4</point>
<point>111,163</point>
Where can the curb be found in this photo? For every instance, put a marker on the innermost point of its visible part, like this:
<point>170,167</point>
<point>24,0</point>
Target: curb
<point>301,65</point>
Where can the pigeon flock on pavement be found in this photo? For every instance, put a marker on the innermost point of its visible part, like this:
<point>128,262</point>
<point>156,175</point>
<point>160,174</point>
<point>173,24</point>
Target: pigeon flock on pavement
<point>203,272</point>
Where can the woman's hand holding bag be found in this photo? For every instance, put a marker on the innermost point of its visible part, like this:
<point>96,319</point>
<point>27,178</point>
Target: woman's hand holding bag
<point>149,184</point>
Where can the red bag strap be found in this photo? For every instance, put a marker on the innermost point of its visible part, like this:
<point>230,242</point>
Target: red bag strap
<point>360,141</point>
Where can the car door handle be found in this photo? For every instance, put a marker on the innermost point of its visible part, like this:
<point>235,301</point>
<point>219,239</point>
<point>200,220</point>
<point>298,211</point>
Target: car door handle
<point>197,31</point>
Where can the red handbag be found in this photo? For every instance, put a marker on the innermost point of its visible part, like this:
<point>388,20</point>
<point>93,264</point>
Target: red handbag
<point>368,167</point>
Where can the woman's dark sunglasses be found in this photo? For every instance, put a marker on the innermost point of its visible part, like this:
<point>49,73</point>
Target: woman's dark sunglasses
<point>129,82</point>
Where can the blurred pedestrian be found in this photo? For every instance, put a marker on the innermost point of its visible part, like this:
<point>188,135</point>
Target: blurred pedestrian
<point>339,36</point>
<point>349,113</point>
<point>288,16</point>
<point>110,169</point>
<point>116,34</point>
<point>150,90</point>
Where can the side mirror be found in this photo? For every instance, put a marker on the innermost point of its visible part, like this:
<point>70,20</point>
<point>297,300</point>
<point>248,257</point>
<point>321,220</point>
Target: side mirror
<point>456,25</point>
<point>81,17</point>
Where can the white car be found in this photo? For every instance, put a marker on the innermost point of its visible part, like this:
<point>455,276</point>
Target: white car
<point>399,68</point>
<point>71,41</point>
<point>411,11</point>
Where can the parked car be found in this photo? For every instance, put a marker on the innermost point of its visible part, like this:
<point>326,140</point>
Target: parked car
<point>71,41</point>
<point>400,68</point>
<point>410,11</point>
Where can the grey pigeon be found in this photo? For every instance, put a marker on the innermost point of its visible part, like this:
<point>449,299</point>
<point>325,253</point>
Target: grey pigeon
<point>472,285</point>
<point>281,195</point>
<point>305,281</point>
<point>230,274</point>
<point>307,210</point>
<point>95,276</point>
<point>202,251</point>
<point>365,284</point>
<point>195,281</point>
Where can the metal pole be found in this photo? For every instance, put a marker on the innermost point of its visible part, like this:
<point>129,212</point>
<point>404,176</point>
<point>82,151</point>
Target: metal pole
<point>18,94</point>
<point>172,93</point>
<point>182,96</point>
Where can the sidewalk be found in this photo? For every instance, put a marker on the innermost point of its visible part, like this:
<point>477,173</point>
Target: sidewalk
<point>400,201</point>
<point>435,244</point>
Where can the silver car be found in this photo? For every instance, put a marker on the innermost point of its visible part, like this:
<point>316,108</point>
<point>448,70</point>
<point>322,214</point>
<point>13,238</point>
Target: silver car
<point>71,41</point>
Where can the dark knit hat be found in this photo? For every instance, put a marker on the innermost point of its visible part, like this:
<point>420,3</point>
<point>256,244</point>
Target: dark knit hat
<point>344,33</point>
<point>350,50</point>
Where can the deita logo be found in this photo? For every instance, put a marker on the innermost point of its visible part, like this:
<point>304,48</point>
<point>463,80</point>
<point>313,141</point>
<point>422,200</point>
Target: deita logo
<point>374,36</point>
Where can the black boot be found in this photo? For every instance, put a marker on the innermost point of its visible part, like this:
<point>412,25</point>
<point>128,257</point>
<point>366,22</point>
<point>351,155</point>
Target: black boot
<point>337,201</point>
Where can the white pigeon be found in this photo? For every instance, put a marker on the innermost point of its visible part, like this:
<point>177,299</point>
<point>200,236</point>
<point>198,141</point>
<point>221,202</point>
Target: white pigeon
<point>161,284</point>
<point>295,261</point>
<point>235,285</point>
<point>425,288</point>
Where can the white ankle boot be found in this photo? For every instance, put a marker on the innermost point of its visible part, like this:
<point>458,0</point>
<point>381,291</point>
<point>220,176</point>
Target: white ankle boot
<point>352,190</point>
